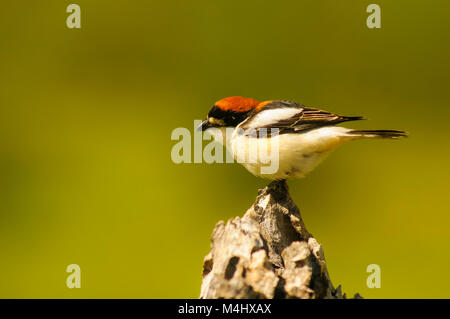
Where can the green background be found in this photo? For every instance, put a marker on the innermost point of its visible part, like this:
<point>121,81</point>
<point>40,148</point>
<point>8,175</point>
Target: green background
<point>86,117</point>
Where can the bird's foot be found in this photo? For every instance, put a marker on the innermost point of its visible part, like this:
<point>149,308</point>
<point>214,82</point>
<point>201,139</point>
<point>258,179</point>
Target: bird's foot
<point>278,186</point>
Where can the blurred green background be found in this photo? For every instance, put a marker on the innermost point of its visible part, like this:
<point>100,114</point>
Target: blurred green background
<point>87,115</point>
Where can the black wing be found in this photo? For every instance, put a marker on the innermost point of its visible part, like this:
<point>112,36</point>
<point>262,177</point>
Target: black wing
<point>290,117</point>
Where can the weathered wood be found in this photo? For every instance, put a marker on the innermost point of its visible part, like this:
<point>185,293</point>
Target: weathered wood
<point>268,253</point>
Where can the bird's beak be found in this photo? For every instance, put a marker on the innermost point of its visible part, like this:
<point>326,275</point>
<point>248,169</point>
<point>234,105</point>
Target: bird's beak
<point>204,126</point>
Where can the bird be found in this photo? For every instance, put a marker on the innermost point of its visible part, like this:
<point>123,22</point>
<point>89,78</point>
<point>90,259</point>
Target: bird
<point>304,136</point>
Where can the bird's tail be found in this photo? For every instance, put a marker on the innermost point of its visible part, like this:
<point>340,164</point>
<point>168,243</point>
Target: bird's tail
<point>379,133</point>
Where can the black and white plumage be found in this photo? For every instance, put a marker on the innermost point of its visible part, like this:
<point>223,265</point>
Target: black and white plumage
<point>300,136</point>
<point>290,117</point>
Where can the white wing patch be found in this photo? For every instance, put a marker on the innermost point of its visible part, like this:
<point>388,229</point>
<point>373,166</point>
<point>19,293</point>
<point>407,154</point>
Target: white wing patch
<point>266,118</point>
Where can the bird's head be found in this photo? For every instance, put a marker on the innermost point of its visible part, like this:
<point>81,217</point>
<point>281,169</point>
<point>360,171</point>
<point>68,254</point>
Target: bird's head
<point>228,112</point>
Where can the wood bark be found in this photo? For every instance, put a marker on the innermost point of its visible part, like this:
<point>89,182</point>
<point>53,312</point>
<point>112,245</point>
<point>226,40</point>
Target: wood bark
<point>268,253</point>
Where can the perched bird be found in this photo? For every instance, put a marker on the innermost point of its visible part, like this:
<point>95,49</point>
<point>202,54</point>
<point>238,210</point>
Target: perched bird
<point>304,136</point>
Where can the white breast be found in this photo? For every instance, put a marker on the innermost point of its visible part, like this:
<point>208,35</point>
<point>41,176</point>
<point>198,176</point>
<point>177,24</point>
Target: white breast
<point>291,155</point>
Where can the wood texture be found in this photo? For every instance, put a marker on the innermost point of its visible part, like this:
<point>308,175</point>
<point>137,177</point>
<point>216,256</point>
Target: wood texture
<point>268,253</point>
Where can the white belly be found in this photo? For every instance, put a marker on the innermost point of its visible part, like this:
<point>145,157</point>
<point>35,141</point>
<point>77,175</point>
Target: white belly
<point>287,155</point>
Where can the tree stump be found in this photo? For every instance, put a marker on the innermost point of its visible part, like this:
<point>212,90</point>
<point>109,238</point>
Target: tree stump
<point>267,254</point>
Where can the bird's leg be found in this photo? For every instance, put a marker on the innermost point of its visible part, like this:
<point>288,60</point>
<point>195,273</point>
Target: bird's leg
<point>278,185</point>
